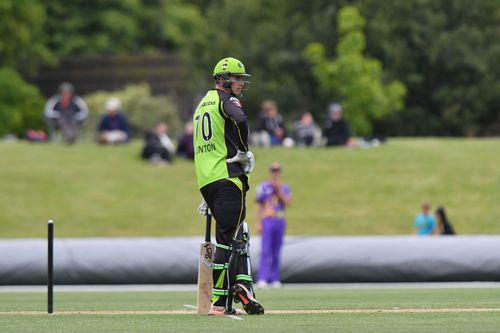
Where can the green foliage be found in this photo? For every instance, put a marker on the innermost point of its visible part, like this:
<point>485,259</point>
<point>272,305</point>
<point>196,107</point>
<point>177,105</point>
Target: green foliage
<point>357,79</point>
<point>22,37</point>
<point>117,26</point>
<point>92,27</point>
<point>142,109</point>
<point>181,22</point>
<point>446,52</point>
<point>22,47</point>
<point>21,105</point>
<point>268,37</point>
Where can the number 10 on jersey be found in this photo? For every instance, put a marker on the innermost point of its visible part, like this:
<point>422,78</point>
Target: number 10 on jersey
<point>206,126</point>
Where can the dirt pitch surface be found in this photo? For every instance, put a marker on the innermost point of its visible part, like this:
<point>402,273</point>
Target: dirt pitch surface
<point>187,312</point>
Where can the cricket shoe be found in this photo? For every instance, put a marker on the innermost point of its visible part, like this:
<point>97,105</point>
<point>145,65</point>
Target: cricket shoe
<point>221,311</point>
<point>250,304</point>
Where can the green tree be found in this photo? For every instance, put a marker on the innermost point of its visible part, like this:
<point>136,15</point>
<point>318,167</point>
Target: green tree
<point>22,47</point>
<point>92,27</point>
<point>269,37</point>
<point>446,52</point>
<point>88,27</point>
<point>356,78</point>
<point>181,23</point>
<point>35,32</point>
<point>20,104</point>
<point>22,37</point>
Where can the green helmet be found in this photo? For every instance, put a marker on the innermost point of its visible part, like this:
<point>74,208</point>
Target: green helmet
<point>230,66</point>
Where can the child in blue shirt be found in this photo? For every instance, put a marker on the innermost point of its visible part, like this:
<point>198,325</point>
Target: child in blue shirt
<point>425,222</point>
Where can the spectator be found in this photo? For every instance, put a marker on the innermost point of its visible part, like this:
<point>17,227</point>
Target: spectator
<point>336,130</point>
<point>113,127</point>
<point>36,135</point>
<point>66,112</point>
<point>273,196</point>
<point>158,148</point>
<point>443,225</point>
<point>424,222</point>
<point>306,132</point>
<point>270,131</point>
<point>185,147</point>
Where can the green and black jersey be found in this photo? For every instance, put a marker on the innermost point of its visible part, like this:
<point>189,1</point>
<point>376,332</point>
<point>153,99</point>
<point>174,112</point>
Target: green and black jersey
<point>220,129</point>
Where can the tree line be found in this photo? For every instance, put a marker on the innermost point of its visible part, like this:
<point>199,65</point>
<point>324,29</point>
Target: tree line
<point>415,67</point>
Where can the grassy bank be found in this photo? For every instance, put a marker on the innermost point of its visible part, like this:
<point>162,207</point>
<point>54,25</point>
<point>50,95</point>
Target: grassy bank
<point>108,191</point>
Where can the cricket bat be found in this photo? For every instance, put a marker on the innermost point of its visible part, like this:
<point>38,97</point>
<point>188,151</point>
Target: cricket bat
<point>205,279</point>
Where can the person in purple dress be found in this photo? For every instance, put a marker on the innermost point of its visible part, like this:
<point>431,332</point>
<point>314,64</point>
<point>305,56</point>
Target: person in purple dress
<point>273,196</point>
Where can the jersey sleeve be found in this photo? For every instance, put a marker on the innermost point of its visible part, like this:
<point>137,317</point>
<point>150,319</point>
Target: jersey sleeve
<point>232,110</point>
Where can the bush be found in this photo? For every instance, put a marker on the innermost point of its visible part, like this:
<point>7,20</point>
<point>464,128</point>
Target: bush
<point>142,109</point>
<point>21,104</point>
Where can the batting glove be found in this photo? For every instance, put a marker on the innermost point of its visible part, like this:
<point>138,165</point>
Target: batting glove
<point>246,159</point>
<point>203,208</point>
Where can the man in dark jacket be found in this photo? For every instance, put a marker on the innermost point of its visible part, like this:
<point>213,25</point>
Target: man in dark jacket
<point>336,130</point>
<point>158,148</point>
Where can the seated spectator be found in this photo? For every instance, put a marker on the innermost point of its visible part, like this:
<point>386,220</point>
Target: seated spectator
<point>65,112</point>
<point>113,127</point>
<point>270,131</point>
<point>185,147</point>
<point>443,225</point>
<point>158,148</point>
<point>336,130</point>
<point>33,135</point>
<point>424,222</point>
<point>306,132</point>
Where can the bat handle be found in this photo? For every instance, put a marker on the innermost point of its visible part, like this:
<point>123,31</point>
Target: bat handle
<point>208,229</point>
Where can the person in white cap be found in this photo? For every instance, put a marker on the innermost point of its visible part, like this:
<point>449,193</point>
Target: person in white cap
<point>113,127</point>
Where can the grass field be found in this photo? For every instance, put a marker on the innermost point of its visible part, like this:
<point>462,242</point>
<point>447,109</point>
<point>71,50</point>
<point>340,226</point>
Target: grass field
<point>107,191</point>
<point>289,310</point>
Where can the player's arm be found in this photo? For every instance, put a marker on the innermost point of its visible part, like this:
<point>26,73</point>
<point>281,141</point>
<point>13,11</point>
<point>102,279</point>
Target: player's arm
<point>49,110</point>
<point>259,217</point>
<point>232,110</point>
<point>283,194</point>
<point>260,200</point>
<point>83,110</point>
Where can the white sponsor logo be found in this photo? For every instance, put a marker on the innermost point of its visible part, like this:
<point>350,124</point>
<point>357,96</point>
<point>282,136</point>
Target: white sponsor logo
<point>235,101</point>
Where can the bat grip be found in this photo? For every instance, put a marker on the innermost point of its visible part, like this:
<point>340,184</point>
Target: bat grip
<point>208,229</point>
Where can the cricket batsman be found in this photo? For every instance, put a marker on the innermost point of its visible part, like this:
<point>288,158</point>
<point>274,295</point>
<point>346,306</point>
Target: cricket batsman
<point>222,163</point>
